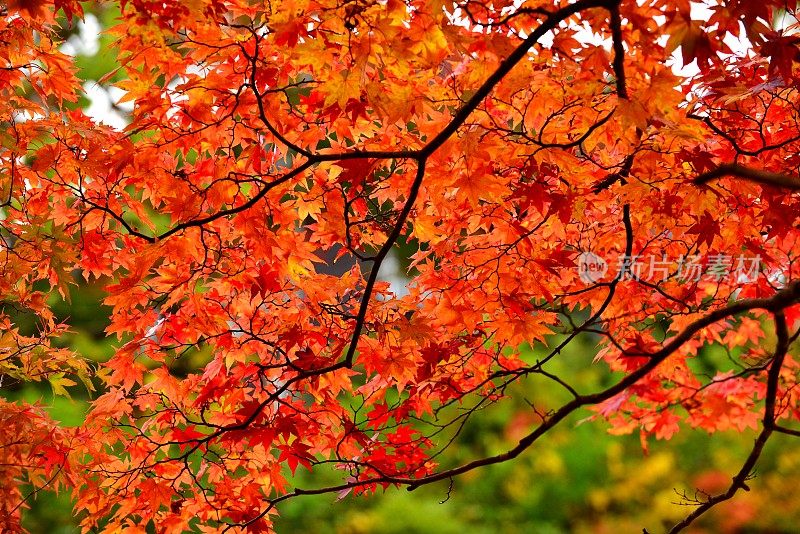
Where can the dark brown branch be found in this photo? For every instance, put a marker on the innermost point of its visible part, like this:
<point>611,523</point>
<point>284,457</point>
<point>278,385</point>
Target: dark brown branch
<point>242,207</point>
<point>619,176</point>
<point>434,144</point>
<point>619,52</point>
<point>550,23</point>
<point>752,175</point>
<point>260,103</point>
<point>776,303</point>
<point>788,431</point>
<point>782,299</point>
<point>738,148</point>
<point>744,474</point>
<point>378,260</point>
<point>597,315</point>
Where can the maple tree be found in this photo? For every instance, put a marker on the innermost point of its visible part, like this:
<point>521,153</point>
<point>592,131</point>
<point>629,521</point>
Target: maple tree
<point>498,141</point>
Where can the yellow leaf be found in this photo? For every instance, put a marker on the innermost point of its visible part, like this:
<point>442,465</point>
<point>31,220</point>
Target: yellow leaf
<point>59,383</point>
<point>341,89</point>
<point>298,268</point>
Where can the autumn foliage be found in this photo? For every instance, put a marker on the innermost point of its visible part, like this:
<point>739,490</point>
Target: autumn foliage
<point>497,141</point>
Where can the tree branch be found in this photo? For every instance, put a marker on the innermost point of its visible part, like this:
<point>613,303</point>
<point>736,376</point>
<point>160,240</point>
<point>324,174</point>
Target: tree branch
<point>752,175</point>
<point>744,474</point>
<point>780,300</point>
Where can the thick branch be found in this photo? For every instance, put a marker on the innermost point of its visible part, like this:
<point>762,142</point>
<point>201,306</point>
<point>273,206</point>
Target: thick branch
<point>741,478</point>
<point>378,261</point>
<point>550,23</point>
<point>782,299</point>
<point>619,52</point>
<point>752,175</point>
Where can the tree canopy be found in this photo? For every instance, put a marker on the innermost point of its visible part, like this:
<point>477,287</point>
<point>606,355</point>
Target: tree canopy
<point>546,170</point>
